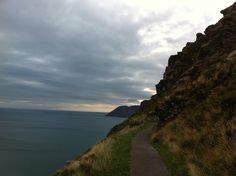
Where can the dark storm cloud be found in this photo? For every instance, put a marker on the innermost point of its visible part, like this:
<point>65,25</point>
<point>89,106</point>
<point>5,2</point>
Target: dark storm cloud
<point>59,52</point>
<point>77,52</point>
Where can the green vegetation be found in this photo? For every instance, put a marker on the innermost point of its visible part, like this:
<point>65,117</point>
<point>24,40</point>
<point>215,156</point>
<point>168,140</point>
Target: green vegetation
<point>110,157</point>
<point>175,162</point>
<point>118,164</point>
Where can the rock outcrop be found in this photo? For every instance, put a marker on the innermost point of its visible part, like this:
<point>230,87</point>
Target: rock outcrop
<point>201,65</point>
<point>198,94</point>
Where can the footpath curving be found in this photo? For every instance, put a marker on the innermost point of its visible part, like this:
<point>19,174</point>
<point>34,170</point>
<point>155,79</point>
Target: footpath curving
<point>145,159</point>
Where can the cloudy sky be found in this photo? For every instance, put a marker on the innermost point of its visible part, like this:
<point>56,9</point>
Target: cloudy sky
<point>92,55</point>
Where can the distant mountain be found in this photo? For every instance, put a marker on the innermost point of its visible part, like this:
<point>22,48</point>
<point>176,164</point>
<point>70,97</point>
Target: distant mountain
<point>124,111</point>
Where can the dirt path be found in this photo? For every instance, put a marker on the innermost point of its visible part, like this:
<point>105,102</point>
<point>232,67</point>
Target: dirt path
<point>145,159</point>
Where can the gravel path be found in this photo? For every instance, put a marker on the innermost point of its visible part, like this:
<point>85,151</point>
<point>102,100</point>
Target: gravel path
<point>145,159</point>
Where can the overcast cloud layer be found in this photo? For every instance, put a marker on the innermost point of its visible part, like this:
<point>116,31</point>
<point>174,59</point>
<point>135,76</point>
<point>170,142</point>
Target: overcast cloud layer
<point>92,55</point>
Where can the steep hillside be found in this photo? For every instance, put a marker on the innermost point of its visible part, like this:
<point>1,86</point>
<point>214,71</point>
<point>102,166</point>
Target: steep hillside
<point>194,111</point>
<point>196,100</point>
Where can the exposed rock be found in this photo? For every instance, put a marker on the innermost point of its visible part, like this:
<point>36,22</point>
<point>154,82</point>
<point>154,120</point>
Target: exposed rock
<point>143,103</point>
<point>218,40</point>
<point>195,104</point>
<point>229,10</point>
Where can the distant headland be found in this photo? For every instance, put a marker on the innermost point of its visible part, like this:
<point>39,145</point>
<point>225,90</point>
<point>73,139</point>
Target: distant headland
<point>124,111</point>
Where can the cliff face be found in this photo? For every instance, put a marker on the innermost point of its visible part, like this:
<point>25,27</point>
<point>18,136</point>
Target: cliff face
<point>196,100</point>
<point>202,65</point>
<point>211,49</point>
<point>214,45</point>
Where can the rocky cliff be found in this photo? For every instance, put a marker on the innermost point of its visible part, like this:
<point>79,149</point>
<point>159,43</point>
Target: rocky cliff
<point>196,100</point>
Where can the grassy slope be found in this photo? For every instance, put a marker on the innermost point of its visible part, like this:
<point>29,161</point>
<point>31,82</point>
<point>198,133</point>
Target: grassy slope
<point>175,162</point>
<point>204,130</point>
<point>208,146</point>
<point>119,162</point>
<point>110,157</point>
<point>200,102</point>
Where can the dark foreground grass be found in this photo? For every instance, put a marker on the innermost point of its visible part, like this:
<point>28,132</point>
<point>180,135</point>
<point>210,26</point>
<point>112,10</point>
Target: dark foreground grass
<point>119,162</point>
<point>175,162</point>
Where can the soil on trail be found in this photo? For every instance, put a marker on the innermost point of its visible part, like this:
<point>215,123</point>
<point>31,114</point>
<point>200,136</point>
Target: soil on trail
<point>145,159</point>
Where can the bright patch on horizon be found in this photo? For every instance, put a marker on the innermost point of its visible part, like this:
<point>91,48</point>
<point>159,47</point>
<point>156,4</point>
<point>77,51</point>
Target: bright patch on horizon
<point>87,107</point>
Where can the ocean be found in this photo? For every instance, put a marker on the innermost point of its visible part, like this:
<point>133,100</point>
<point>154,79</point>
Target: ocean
<point>39,142</point>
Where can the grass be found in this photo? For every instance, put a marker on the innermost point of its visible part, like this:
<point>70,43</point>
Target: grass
<point>206,136</point>
<point>110,157</point>
<point>119,160</point>
<point>175,162</point>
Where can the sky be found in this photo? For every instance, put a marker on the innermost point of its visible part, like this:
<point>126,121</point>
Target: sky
<point>90,55</point>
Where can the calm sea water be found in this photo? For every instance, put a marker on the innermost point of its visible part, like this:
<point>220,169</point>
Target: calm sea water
<point>37,143</point>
